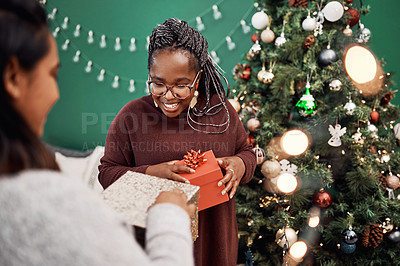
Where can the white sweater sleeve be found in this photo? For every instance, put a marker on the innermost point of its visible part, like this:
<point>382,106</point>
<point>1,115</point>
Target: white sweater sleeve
<point>49,219</point>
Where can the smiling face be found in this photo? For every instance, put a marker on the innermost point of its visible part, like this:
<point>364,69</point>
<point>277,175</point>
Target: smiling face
<point>173,67</point>
<point>33,93</point>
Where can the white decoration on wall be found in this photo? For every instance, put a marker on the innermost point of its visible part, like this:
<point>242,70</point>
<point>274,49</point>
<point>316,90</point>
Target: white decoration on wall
<point>245,28</point>
<point>199,24</point>
<point>117,46</point>
<point>88,67</point>
<point>65,45</point>
<point>100,77</point>
<point>77,31</point>
<point>230,43</point>
<point>216,13</point>
<point>55,32</point>
<point>90,39</point>
<point>65,23</point>
<point>76,56</point>
<point>103,43</point>
<point>115,83</point>
<point>215,57</point>
<point>52,15</point>
<point>131,86</point>
<point>132,46</point>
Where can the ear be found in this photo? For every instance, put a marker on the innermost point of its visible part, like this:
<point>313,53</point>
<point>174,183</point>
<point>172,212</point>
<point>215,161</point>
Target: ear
<point>12,77</point>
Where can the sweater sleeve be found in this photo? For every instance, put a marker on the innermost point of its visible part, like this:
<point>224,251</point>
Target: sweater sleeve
<point>243,148</point>
<point>118,155</point>
<point>168,230</point>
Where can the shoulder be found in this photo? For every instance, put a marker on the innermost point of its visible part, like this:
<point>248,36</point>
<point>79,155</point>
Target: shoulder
<point>144,103</point>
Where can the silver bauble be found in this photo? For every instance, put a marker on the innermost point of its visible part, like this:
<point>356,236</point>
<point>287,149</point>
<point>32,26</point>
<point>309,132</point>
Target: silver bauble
<point>350,107</point>
<point>364,36</point>
<point>271,168</point>
<point>335,85</point>
<point>327,57</point>
<point>347,31</point>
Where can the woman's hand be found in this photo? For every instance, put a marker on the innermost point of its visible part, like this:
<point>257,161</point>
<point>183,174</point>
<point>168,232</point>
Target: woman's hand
<point>235,169</point>
<point>177,197</point>
<point>169,170</point>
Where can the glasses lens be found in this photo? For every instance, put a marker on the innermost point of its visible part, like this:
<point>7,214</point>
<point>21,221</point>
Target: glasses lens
<point>157,88</point>
<point>181,92</point>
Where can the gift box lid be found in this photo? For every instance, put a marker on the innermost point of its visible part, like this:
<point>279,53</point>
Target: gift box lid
<point>207,172</point>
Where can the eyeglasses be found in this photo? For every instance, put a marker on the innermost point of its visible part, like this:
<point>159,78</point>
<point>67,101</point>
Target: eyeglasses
<point>178,91</point>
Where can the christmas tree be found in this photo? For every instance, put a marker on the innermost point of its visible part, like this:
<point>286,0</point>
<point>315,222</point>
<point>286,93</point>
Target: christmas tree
<point>316,104</point>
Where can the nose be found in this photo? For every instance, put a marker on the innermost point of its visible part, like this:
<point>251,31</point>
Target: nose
<point>169,95</point>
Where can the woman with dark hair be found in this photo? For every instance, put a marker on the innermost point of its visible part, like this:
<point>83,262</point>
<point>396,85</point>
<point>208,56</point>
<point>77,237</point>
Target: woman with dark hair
<point>186,109</point>
<point>47,218</point>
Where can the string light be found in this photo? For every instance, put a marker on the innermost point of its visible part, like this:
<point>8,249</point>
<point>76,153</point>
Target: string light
<point>286,183</point>
<point>65,23</point>
<point>216,13</point>
<point>131,86</point>
<point>298,250</point>
<point>147,42</point>
<point>230,43</point>
<point>90,39</point>
<point>117,45</point>
<point>215,57</point>
<point>294,142</point>
<point>55,32</point>
<point>132,46</point>
<point>245,28</point>
<point>76,57</point>
<point>103,43</point>
<point>200,26</point>
<point>115,83</point>
<point>65,45</point>
<point>88,67</point>
<point>360,64</point>
<point>100,77</point>
<point>77,31</point>
<point>52,15</point>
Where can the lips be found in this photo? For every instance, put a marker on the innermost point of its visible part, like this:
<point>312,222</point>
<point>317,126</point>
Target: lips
<point>170,107</point>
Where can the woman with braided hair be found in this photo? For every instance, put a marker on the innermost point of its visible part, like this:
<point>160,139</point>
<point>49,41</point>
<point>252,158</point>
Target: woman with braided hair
<point>187,109</point>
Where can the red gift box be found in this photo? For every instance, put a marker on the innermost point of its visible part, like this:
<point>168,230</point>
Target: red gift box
<point>207,176</point>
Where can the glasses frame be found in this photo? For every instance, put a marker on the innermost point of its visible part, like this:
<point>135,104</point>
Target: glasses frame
<point>169,88</point>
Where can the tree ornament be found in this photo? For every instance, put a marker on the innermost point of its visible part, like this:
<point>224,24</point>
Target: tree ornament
<point>251,140</point>
<point>235,104</point>
<point>354,16</point>
<point>242,71</point>
<point>333,11</point>
<point>320,20</point>
<point>373,129</point>
<point>306,105</point>
<point>372,236</point>
<point>327,56</point>
<point>394,236</point>
<point>271,169</point>
<point>256,48</point>
<point>253,124</point>
<point>347,248</point>
<point>364,35</point>
<point>347,31</point>
<point>322,199</point>
<point>260,154</point>
<point>262,75</point>
<point>336,133</point>
<point>374,117</point>
<point>392,181</point>
<point>281,39</point>
<point>254,37</point>
<point>287,167</point>
<point>310,40</point>
<point>297,3</point>
<point>309,23</point>
<point>358,137</point>
<point>270,185</point>
<point>285,237</point>
<point>349,236</point>
<point>349,1</point>
<point>260,20</point>
<point>267,35</point>
<point>396,130</point>
<point>350,107</point>
<point>335,85</point>
<point>386,98</point>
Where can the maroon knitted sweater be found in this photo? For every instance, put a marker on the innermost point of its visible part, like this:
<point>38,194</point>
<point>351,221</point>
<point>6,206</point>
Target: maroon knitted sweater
<point>141,135</point>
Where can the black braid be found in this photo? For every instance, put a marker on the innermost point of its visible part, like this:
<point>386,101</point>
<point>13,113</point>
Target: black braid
<point>176,34</point>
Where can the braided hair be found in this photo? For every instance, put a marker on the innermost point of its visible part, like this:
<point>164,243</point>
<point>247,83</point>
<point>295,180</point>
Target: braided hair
<point>174,34</point>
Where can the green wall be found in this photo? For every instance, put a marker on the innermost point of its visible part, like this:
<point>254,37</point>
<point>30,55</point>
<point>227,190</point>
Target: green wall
<point>86,108</point>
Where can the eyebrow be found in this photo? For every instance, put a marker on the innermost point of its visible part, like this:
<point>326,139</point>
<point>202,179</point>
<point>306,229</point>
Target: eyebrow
<point>176,80</point>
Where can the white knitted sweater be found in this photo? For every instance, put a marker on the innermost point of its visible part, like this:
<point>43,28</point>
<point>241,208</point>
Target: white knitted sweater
<point>49,219</point>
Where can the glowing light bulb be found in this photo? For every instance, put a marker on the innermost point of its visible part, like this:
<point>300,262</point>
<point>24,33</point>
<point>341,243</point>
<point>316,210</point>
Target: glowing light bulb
<point>115,83</point>
<point>313,221</point>
<point>103,43</point>
<point>132,46</point>
<point>245,28</point>
<point>360,64</point>
<point>200,26</point>
<point>65,45</point>
<point>88,68</point>
<point>117,45</point>
<point>100,77</point>
<point>90,37</point>
<point>298,249</point>
<point>132,86</point>
<point>216,13</point>
<point>65,23</point>
<point>286,183</point>
<point>230,43</point>
<point>294,142</point>
<point>76,57</point>
<point>77,31</point>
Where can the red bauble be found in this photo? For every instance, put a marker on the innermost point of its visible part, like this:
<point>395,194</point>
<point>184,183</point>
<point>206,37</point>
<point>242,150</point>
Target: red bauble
<point>374,117</point>
<point>354,16</point>
<point>254,37</point>
<point>322,199</point>
<point>349,1</point>
<point>251,140</point>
